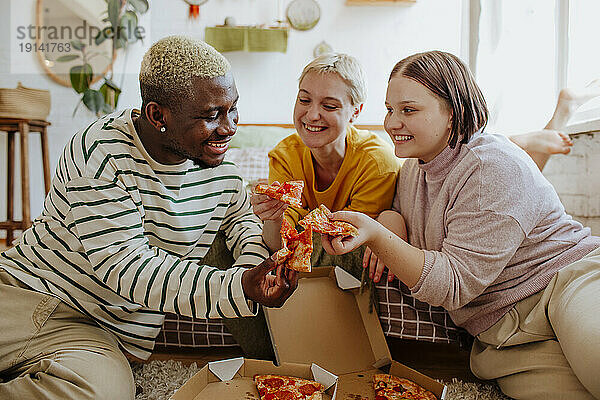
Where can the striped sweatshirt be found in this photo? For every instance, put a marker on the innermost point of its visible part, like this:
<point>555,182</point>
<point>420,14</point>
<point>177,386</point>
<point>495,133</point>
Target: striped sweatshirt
<point>121,236</point>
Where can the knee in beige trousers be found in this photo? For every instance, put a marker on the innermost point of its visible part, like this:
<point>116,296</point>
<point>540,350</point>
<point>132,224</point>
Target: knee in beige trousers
<point>548,345</point>
<point>48,350</point>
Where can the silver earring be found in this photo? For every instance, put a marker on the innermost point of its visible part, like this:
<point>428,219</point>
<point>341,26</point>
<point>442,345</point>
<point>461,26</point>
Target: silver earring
<point>163,129</point>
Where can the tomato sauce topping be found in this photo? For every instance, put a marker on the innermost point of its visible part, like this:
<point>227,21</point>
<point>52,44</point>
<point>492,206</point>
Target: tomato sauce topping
<point>273,382</point>
<point>399,389</point>
<point>307,389</point>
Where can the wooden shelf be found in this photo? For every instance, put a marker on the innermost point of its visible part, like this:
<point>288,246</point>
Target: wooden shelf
<point>379,2</point>
<point>246,38</point>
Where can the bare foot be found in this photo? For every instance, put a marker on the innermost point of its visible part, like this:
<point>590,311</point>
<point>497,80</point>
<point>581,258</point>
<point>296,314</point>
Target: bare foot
<point>575,97</point>
<point>569,100</point>
<point>546,141</point>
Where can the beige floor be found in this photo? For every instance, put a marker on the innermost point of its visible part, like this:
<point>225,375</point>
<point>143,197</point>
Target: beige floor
<point>439,361</point>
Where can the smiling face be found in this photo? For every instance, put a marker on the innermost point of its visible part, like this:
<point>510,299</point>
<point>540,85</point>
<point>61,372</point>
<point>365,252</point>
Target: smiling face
<point>201,130</point>
<point>418,122</point>
<point>323,110</point>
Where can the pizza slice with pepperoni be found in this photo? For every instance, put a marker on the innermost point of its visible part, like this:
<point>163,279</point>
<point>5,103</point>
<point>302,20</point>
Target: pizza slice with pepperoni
<point>390,387</point>
<point>287,192</point>
<point>296,248</point>
<point>275,387</point>
<point>317,219</point>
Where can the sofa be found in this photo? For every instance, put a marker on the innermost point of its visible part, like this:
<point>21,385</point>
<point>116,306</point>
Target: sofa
<point>401,315</point>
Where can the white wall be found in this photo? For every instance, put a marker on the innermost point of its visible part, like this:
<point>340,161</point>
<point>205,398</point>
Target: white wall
<point>378,36</point>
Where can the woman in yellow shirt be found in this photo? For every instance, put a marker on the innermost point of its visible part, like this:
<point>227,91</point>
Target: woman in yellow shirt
<point>342,167</point>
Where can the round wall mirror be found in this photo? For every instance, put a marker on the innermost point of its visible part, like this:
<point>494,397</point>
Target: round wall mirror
<point>65,37</point>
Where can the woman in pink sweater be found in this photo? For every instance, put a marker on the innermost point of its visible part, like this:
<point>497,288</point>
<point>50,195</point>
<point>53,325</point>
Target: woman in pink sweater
<point>488,238</point>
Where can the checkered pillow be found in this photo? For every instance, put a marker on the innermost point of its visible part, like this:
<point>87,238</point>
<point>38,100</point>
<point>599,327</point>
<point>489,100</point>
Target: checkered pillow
<point>180,331</point>
<point>403,316</point>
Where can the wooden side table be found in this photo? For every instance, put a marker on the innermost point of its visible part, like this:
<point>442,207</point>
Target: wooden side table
<point>23,127</point>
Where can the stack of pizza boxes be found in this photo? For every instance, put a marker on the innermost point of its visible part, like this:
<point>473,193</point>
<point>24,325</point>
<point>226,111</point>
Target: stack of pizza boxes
<point>324,332</point>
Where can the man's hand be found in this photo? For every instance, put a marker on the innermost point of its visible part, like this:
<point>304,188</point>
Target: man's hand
<point>269,290</point>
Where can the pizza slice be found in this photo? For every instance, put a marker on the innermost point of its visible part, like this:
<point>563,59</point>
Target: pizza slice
<point>287,192</point>
<point>296,248</point>
<point>390,387</point>
<point>318,220</point>
<point>275,387</point>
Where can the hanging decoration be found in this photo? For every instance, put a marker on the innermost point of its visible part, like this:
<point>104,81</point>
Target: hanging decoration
<point>194,12</point>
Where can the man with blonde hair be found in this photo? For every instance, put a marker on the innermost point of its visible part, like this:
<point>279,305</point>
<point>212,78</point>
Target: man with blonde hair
<point>136,203</point>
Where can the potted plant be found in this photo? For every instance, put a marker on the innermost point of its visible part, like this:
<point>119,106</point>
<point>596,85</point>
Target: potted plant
<point>121,18</point>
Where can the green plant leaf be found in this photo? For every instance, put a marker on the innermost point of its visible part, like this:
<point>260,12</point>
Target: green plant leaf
<point>114,9</point>
<point>81,76</point>
<point>110,91</point>
<point>121,42</point>
<point>129,23</point>
<point>140,6</point>
<point>102,36</point>
<point>77,44</point>
<point>68,57</point>
<point>106,109</point>
<point>93,100</point>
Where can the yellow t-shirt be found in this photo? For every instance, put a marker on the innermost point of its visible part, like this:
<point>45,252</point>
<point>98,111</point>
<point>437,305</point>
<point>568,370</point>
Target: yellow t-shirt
<point>365,182</point>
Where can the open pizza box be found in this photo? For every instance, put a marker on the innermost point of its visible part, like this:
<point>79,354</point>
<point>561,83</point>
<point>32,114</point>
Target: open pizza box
<point>233,379</point>
<point>327,322</point>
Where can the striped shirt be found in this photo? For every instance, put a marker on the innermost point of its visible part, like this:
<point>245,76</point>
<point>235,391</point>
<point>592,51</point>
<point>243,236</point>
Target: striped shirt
<point>121,236</point>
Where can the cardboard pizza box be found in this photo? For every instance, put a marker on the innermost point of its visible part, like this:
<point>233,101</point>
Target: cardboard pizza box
<point>359,385</point>
<point>327,321</point>
<point>233,379</point>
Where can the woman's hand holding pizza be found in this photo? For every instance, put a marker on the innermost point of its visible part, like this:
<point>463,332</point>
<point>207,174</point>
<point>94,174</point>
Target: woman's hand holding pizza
<point>267,208</point>
<point>337,245</point>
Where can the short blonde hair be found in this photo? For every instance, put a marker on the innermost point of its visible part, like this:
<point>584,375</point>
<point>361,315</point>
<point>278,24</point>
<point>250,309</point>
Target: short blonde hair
<point>170,64</point>
<point>347,67</point>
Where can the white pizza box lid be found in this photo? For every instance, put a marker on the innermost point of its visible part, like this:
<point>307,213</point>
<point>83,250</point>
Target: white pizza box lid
<point>327,321</point>
<point>233,379</point>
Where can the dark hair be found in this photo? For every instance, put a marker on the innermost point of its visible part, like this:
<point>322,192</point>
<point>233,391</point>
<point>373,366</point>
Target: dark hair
<point>449,79</point>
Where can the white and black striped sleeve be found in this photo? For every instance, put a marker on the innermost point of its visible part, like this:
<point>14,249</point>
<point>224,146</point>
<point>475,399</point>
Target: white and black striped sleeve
<point>244,230</point>
<point>109,225</point>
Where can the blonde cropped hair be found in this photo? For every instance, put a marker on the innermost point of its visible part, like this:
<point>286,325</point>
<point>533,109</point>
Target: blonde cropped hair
<point>347,67</point>
<point>170,64</point>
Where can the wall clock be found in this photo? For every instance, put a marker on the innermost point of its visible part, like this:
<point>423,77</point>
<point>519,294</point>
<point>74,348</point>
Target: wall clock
<point>303,14</point>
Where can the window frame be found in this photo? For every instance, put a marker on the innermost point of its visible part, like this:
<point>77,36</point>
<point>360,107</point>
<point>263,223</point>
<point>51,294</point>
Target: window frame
<point>584,121</point>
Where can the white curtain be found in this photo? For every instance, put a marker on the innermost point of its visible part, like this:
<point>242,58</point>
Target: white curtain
<point>584,52</point>
<point>516,65</point>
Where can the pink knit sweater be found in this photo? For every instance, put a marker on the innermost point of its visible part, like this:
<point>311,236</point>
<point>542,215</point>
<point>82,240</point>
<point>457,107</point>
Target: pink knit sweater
<point>493,228</point>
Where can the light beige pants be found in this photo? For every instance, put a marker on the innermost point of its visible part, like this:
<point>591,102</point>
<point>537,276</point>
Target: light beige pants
<point>548,345</point>
<point>48,350</point>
